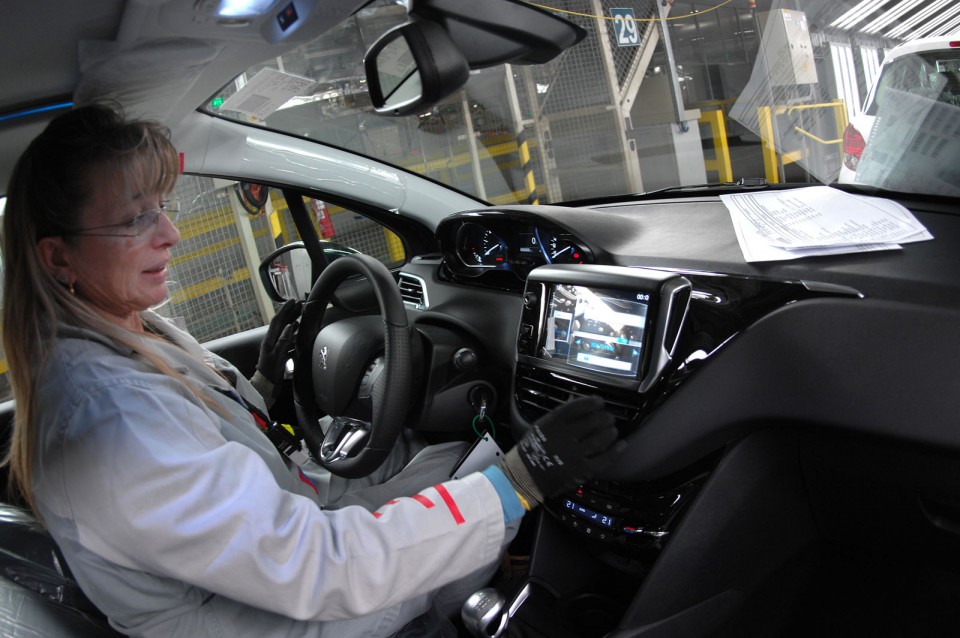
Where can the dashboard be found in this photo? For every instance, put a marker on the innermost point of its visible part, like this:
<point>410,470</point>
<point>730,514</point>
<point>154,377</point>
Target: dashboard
<point>691,235</point>
<point>651,306</point>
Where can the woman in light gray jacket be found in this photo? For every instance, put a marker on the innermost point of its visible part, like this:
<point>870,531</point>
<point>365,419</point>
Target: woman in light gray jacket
<point>139,451</point>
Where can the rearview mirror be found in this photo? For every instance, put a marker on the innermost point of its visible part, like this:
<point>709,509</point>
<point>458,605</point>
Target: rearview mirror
<point>413,66</point>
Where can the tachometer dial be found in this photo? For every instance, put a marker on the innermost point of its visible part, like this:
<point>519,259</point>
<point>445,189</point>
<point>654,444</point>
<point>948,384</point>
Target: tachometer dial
<point>564,251</point>
<point>560,248</point>
<point>480,247</point>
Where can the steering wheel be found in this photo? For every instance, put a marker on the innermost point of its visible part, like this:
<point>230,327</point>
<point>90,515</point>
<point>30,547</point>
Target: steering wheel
<point>357,370</point>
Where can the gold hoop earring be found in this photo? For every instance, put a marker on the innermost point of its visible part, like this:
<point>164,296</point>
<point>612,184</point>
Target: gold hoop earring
<point>68,285</point>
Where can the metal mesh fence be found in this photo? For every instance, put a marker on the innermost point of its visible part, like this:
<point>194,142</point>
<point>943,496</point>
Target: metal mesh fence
<point>645,22</point>
<point>576,100</point>
<point>211,290</point>
<point>214,285</point>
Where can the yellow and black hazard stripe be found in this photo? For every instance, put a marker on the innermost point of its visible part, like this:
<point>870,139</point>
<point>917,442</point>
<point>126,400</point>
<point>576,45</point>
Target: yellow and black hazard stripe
<point>526,166</point>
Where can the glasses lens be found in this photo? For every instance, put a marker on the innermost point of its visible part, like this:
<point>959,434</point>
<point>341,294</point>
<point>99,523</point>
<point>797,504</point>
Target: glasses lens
<point>172,208</point>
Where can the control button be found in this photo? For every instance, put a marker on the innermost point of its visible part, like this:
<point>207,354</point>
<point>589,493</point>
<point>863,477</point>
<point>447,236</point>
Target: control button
<point>530,299</point>
<point>465,359</point>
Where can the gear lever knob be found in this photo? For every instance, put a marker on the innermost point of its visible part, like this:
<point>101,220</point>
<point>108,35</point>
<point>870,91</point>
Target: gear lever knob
<point>485,614</point>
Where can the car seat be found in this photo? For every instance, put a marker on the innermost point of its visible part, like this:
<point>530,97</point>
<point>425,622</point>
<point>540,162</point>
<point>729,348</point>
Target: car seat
<point>39,597</point>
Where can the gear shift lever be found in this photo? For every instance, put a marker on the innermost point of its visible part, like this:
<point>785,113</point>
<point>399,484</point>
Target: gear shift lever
<point>485,614</point>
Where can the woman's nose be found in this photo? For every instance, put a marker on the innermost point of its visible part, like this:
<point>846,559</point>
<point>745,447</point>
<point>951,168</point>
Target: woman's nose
<point>167,233</point>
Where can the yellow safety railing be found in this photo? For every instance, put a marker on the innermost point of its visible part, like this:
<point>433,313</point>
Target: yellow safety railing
<point>394,245</point>
<point>772,159</point>
<point>716,120</point>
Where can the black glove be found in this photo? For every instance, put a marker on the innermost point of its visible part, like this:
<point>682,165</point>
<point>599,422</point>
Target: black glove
<point>275,349</point>
<point>563,449</point>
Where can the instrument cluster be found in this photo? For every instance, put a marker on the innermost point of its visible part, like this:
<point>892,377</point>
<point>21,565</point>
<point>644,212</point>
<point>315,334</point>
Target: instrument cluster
<point>501,248</point>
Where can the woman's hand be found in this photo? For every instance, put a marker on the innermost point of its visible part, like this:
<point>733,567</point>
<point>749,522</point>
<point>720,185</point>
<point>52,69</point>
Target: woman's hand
<point>278,342</point>
<point>564,448</point>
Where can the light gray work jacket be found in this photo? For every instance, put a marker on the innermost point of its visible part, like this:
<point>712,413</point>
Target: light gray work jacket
<point>180,521</point>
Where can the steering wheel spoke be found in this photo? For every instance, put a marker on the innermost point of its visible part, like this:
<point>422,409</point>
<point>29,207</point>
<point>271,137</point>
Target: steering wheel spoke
<point>343,435</point>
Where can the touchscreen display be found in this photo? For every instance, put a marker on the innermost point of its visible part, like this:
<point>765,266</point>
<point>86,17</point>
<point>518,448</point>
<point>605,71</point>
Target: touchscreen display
<point>597,329</point>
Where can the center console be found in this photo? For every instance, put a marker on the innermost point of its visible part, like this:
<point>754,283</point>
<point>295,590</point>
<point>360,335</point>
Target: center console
<point>610,331</point>
<point>631,336</point>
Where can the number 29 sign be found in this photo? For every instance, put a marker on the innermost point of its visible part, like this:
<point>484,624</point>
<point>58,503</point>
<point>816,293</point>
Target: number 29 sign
<point>626,28</point>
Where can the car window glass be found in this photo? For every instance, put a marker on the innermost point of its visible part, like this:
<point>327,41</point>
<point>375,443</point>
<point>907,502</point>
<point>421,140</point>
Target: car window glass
<point>227,228</point>
<point>933,75</point>
<point>656,95</point>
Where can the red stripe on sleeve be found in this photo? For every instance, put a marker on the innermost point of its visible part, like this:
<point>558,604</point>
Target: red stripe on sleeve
<point>304,479</point>
<point>451,504</point>
<point>423,500</point>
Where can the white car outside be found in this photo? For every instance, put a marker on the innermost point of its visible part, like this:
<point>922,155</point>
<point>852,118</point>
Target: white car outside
<point>927,66</point>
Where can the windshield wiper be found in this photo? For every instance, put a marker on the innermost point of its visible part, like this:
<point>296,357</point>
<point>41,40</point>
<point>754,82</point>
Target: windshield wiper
<point>744,183</point>
<point>748,183</point>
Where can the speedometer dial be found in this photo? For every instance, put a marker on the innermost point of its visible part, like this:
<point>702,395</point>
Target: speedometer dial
<point>480,247</point>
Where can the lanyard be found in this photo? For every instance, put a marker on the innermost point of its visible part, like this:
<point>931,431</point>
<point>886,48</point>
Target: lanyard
<point>283,437</point>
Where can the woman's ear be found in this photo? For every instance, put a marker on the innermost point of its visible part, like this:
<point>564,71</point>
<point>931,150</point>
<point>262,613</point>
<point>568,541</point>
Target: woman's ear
<point>54,256</point>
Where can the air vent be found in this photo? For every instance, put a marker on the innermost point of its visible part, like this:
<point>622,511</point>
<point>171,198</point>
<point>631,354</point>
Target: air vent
<point>539,391</point>
<point>413,290</point>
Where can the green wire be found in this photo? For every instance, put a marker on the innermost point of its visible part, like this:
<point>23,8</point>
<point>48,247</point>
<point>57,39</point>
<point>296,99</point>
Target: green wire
<point>493,428</point>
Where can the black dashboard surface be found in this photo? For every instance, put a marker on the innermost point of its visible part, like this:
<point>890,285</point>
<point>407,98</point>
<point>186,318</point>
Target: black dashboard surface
<point>869,350</point>
<point>696,234</point>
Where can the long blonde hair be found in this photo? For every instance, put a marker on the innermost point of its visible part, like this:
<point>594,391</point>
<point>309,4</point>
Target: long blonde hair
<point>51,184</point>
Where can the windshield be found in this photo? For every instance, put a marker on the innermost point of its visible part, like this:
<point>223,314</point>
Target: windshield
<point>657,95</point>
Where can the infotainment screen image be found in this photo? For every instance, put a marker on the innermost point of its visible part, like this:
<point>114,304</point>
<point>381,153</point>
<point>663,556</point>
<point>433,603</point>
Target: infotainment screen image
<point>596,329</point>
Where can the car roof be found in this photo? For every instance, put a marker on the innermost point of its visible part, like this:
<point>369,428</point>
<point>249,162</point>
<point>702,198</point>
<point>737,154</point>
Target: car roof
<point>921,45</point>
<point>156,58</point>
<point>41,68</point>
